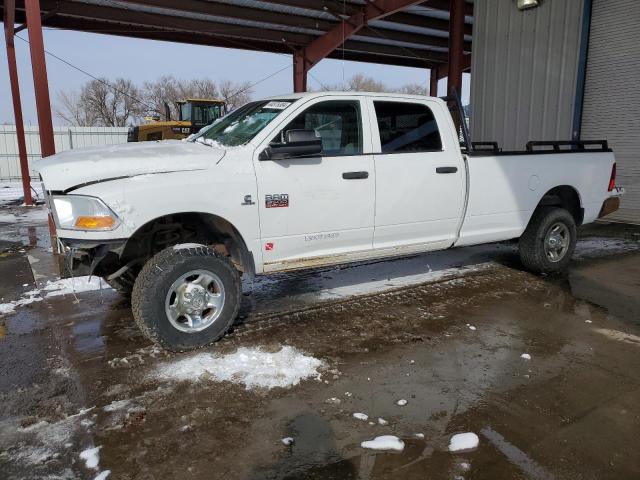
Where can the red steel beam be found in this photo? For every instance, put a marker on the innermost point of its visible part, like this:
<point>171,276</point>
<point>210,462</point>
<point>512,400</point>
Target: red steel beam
<point>327,43</point>
<point>9,20</point>
<point>40,80</point>
<point>456,46</point>
<point>324,45</point>
<point>434,76</point>
<point>299,73</point>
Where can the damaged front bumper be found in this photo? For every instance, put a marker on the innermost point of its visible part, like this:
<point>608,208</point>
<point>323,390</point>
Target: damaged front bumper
<point>82,257</point>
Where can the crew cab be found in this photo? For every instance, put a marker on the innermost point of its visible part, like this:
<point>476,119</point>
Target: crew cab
<point>308,180</point>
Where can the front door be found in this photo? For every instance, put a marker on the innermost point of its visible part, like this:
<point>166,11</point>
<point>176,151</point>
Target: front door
<point>419,175</point>
<point>314,210</point>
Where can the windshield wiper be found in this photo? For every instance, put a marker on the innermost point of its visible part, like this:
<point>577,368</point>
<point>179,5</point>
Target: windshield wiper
<point>202,141</point>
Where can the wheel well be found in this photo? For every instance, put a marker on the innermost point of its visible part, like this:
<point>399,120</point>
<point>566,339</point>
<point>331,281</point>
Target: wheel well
<point>565,197</point>
<point>187,227</point>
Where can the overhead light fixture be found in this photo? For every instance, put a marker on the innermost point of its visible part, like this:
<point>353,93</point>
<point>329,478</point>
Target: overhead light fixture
<point>527,4</point>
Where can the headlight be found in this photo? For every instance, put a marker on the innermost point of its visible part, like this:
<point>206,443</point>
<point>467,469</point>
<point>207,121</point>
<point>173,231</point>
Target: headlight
<point>77,212</point>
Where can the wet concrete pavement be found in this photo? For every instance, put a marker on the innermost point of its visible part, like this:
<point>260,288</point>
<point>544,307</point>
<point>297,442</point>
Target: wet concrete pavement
<point>444,331</point>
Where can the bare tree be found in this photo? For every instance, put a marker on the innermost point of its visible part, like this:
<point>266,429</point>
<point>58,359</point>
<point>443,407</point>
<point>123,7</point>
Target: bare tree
<point>71,110</point>
<point>199,88</point>
<point>414,89</point>
<point>235,94</point>
<point>119,103</point>
<point>167,89</point>
<point>101,103</point>
<point>171,90</point>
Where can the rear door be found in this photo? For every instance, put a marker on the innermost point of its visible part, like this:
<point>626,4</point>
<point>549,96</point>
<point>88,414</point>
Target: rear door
<point>319,206</point>
<point>420,177</point>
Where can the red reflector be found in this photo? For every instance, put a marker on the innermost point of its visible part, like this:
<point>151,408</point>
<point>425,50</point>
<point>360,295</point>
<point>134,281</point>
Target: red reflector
<point>612,180</point>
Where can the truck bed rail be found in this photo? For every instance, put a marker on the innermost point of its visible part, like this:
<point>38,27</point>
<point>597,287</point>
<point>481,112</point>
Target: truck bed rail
<point>573,144</point>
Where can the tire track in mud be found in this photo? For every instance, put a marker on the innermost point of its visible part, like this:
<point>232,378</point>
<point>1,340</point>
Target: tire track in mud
<point>403,314</point>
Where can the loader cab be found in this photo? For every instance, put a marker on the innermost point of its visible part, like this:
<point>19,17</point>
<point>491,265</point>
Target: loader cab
<point>200,112</point>
<point>193,114</point>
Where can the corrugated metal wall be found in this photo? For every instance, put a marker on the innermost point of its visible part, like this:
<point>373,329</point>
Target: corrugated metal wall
<point>524,71</point>
<point>612,93</point>
<point>65,137</point>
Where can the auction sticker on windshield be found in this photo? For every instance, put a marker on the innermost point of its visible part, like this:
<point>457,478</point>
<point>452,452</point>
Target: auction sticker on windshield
<point>277,105</point>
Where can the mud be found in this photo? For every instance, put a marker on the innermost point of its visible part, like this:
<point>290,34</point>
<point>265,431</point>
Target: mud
<point>76,374</point>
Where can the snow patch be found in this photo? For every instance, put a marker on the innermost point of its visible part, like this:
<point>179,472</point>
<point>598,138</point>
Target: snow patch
<point>402,402</point>
<point>463,441</point>
<point>117,405</point>
<point>526,356</point>
<point>91,457</point>
<point>251,367</point>
<point>11,192</point>
<point>287,441</point>
<point>102,475</point>
<point>26,299</point>
<point>419,435</point>
<point>361,416</point>
<point>384,442</point>
<point>67,286</point>
<point>382,421</point>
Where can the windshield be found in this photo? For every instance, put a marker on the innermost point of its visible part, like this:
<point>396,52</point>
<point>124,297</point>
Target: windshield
<point>185,112</point>
<point>240,126</point>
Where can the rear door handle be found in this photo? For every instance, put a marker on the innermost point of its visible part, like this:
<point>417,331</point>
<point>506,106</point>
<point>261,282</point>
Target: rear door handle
<point>446,169</point>
<point>355,175</point>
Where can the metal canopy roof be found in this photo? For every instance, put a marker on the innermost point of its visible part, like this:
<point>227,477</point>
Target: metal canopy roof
<point>417,36</point>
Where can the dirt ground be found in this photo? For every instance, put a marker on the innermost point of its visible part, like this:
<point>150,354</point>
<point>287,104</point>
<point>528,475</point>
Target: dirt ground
<point>446,332</point>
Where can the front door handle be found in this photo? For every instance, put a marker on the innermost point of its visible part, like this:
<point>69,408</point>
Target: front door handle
<point>446,169</point>
<point>355,175</point>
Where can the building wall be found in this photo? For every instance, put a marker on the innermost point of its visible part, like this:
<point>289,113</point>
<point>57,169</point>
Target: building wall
<point>66,138</point>
<point>612,93</point>
<point>524,71</point>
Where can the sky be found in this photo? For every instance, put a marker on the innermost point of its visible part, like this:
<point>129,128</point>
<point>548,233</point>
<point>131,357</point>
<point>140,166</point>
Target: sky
<point>140,60</point>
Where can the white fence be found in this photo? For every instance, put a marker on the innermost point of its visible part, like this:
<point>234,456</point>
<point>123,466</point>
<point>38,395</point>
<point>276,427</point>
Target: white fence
<point>66,138</point>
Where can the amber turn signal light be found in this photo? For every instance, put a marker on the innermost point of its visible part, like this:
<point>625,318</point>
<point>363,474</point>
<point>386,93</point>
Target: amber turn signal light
<point>94,223</point>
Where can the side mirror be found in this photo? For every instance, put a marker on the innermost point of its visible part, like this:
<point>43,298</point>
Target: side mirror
<point>297,143</point>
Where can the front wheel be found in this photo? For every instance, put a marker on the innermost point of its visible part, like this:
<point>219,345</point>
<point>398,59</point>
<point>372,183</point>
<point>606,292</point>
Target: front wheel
<point>549,240</point>
<point>185,298</point>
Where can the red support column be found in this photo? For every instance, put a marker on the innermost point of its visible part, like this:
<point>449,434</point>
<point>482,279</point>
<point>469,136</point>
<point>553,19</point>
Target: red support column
<point>299,73</point>
<point>456,45</point>
<point>40,81</point>
<point>9,20</point>
<point>433,81</point>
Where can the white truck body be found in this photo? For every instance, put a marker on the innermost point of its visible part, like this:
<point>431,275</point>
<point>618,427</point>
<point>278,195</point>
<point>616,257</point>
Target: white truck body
<point>303,181</point>
<point>403,207</point>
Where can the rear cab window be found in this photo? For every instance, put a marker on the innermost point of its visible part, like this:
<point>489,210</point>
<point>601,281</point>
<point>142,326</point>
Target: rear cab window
<point>406,127</point>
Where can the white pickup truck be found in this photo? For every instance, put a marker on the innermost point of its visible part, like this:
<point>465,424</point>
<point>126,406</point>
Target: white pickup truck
<point>301,181</point>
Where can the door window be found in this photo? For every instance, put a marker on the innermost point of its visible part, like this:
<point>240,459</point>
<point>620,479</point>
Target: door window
<point>337,123</point>
<point>407,127</point>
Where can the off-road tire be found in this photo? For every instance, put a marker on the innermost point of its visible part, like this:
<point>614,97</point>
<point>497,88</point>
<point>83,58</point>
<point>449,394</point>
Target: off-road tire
<point>154,281</point>
<point>531,244</point>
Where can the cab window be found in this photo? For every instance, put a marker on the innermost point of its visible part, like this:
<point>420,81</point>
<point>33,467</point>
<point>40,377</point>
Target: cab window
<point>338,123</point>
<point>407,127</point>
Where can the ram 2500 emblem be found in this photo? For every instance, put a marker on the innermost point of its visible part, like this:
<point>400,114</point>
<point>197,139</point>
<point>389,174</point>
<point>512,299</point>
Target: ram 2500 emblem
<point>277,200</point>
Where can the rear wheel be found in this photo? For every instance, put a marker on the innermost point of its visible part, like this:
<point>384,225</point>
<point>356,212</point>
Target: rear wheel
<point>548,242</point>
<point>186,298</point>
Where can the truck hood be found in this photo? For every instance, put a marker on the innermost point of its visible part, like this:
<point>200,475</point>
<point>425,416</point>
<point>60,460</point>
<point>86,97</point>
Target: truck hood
<point>74,168</point>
